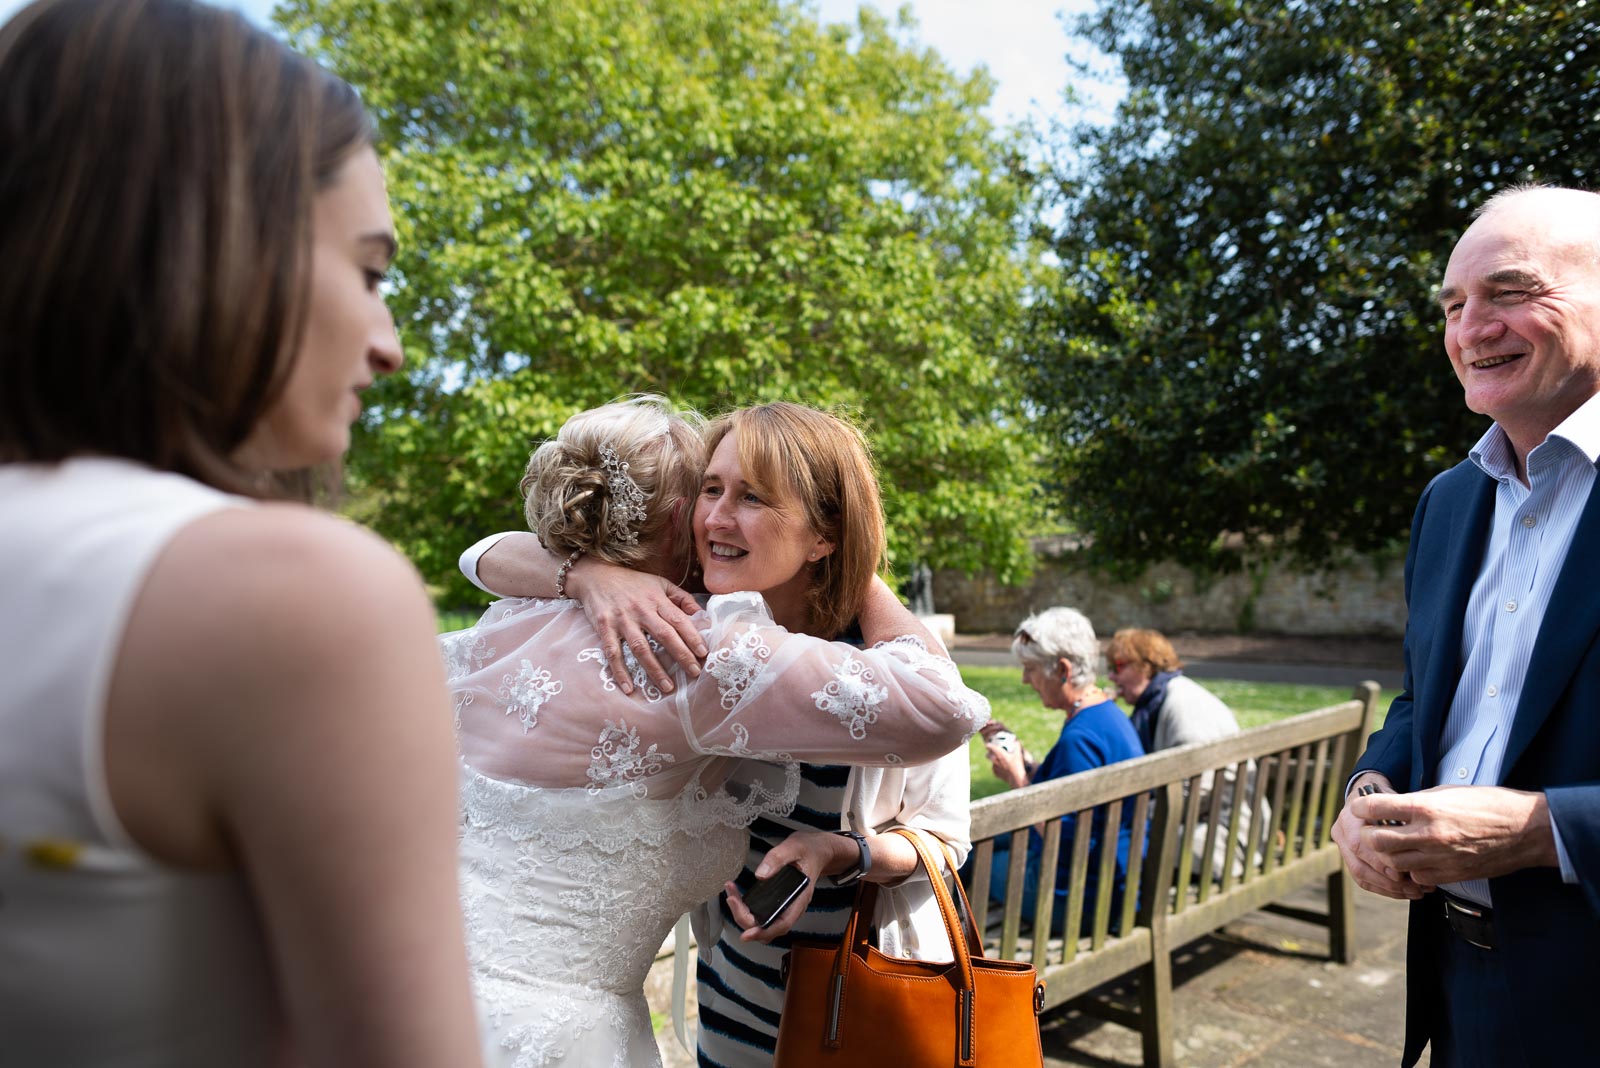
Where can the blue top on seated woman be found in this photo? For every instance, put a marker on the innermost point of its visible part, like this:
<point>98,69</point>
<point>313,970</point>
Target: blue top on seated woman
<point>1095,736</point>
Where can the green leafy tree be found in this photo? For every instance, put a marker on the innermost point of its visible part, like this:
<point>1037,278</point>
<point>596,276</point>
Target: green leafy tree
<point>719,200</point>
<point>1242,339</point>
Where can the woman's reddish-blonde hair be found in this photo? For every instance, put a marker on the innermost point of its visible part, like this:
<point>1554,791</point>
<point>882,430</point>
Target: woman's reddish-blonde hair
<point>1149,648</point>
<point>818,466</point>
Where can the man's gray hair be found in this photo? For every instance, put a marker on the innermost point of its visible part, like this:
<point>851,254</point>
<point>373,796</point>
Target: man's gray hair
<point>1057,634</point>
<point>1508,196</point>
<point>1509,193</point>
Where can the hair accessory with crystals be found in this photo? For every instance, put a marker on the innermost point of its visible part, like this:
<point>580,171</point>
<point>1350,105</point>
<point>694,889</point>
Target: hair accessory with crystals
<point>627,499</point>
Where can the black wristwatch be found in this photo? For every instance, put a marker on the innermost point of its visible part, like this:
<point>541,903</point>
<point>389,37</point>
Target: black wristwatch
<point>851,876</point>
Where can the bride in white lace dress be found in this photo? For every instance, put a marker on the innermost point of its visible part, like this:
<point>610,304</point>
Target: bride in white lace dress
<point>593,818</point>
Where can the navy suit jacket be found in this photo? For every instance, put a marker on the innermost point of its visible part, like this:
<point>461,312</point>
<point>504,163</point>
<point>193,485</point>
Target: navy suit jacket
<point>1548,931</point>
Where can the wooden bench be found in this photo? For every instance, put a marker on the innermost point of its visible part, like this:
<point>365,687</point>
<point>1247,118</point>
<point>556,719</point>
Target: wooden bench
<point>1301,765</point>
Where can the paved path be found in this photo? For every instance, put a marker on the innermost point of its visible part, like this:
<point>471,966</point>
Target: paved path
<point>1304,661</point>
<point>1260,993</point>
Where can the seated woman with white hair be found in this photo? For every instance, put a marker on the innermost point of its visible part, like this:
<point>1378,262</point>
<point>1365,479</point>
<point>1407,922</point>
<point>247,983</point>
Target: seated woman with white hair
<point>1060,658</point>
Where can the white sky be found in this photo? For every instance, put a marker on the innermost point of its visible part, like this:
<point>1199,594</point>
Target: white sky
<point>1022,42</point>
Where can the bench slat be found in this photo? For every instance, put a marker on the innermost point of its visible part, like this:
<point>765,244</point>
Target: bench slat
<point>1045,896</point>
<point>1240,781</point>
<point>1301,762</point>
<point>1036,803</point>
<point>1106,877</point>
<point>1130,896</point>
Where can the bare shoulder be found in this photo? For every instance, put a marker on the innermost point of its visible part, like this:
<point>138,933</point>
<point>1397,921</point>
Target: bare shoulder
<point>253,591</point>
<point>268,645</point>
<point>280,543</point>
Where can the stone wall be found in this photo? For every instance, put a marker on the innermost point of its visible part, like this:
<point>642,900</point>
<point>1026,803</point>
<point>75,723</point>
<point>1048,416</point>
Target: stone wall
<point>1361,599</point>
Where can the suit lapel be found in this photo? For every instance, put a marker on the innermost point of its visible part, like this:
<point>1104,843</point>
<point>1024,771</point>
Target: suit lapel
<point>1569,626</point>
<point>1471,508</point>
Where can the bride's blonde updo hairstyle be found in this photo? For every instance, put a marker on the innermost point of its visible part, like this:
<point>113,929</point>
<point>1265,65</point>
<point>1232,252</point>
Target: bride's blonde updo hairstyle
<point>618,482</point>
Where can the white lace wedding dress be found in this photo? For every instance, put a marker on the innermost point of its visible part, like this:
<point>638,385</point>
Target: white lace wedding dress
<point>592,820</point>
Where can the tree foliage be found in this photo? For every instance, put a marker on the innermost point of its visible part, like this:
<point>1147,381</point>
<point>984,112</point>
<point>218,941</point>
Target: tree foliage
<point>1242,338</point>
<point>718,200</point>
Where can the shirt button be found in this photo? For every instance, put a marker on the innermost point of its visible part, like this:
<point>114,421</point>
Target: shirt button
<point>1528,521</point>
<point>1493,691</point>
<point>1461,773</point>
<point>1511,606</point>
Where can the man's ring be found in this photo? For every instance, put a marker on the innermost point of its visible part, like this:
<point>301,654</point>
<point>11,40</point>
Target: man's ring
<point>1370,789</point>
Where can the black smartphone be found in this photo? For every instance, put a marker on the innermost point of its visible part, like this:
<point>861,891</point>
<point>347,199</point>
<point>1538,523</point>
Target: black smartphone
<point>767,899</point>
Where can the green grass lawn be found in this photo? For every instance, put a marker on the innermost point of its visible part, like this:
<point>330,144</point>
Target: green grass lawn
<point>1017,706</point>
<point>457,620</point>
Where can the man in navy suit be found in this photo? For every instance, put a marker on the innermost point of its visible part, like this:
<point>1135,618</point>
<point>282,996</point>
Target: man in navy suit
<point>1494,744</point>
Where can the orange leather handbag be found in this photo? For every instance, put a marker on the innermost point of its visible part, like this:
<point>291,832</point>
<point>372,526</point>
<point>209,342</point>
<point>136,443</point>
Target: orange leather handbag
<point>853,1004</point>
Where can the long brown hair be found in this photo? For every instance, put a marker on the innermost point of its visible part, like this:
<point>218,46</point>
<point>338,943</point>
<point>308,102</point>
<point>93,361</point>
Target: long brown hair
<point>818,465</point>
<point>158,161</point>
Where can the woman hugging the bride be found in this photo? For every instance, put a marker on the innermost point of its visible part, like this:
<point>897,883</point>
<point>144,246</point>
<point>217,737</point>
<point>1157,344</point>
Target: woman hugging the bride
<point>599,803</point>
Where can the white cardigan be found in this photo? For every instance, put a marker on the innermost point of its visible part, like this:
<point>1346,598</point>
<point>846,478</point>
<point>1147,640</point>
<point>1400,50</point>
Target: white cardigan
<point>934,799</point>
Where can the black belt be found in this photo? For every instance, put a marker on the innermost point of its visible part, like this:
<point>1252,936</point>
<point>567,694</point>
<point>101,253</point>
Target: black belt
<point>1473,923</point>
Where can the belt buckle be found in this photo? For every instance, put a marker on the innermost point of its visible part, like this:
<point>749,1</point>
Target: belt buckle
<point>1451,907</point>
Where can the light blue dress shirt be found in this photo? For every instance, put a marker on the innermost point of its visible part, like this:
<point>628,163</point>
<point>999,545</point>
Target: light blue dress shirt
<point>1528,543</point>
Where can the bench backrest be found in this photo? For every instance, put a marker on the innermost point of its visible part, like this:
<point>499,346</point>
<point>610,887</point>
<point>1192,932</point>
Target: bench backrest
<point>1228,826</point>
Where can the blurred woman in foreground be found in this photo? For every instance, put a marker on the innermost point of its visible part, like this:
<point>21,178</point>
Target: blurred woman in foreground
<point>227,785</point>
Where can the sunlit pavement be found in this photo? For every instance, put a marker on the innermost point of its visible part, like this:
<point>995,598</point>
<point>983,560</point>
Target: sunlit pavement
<point>1262,992</point>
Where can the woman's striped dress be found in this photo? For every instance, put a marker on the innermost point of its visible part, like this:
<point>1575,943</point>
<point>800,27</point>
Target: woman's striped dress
<point>739,984</point>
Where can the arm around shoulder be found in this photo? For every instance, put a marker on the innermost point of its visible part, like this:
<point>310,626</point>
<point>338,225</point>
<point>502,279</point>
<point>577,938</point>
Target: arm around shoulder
<point>773,694</point>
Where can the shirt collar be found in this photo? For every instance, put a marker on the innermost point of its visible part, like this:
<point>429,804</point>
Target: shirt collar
<point>1493,454</point>
<point>1580,430</point>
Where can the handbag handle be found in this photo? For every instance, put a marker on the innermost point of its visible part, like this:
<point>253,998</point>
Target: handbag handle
<point>963,906</point>
<point>953,930</point>
<point>868,893</point>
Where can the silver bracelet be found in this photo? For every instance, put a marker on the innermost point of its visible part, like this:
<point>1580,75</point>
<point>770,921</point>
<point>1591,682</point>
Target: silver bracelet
<point>561,572</point>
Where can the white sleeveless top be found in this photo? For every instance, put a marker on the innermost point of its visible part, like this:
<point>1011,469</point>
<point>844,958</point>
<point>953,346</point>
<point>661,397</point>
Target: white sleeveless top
<point>107,956</point>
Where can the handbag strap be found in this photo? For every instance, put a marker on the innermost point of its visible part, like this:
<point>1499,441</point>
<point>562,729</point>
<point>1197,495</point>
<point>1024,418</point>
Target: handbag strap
<point>867,901</point>
<point>856,928</point>
<point>866,898</point>
<point>963,906</point>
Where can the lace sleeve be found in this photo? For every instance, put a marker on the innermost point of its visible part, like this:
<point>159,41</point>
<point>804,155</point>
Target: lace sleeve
<point>773,694</point>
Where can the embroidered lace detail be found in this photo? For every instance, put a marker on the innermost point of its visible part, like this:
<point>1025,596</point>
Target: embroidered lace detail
<point>737,666</point>
<point>465,651</point>
<point>741,741</point>
<point>526,692</point>
<point>971,704</point>
<point>567,896</point>
<point>614,818</point>
<point>618,762</point>
<point>641,681</point>
<point>852,697</point>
